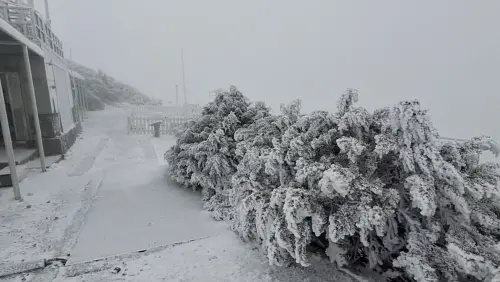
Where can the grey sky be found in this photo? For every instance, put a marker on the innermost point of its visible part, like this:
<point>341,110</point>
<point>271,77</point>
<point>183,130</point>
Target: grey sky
<point>445,53</point>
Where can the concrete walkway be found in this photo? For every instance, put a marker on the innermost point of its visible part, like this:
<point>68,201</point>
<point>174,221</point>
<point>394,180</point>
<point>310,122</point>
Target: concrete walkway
<point>136,208</point>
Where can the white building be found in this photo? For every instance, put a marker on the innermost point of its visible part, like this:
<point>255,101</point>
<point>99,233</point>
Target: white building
<point>32,65</point>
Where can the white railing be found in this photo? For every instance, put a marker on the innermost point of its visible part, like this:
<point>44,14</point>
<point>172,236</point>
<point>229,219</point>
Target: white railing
<point>31,24</point>
<point>168,110</point>
<point>141,123</point>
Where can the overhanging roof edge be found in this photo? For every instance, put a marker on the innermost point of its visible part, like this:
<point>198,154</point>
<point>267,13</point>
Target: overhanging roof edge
<point>19,37</point>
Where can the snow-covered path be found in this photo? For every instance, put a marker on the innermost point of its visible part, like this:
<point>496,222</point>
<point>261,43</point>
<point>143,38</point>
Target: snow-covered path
<point>126,205</point>
<point>136,209</point>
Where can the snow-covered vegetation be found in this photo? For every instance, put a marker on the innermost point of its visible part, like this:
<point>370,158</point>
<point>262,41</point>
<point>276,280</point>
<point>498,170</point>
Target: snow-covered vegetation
<point>377,189</point>
<point>104,89</point>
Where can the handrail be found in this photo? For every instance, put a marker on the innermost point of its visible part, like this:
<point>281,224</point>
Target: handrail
<point>31,24</point>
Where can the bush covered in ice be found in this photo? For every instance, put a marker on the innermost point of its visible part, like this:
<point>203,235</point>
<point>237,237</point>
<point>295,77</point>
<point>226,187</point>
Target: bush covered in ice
<point>378,189</point>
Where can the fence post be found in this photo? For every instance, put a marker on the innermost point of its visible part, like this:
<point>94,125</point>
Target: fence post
<point>128,124</point>
<point>141,126</point>
<point>144,129</point>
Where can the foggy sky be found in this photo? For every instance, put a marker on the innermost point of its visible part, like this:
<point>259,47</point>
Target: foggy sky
<point>445,53</point>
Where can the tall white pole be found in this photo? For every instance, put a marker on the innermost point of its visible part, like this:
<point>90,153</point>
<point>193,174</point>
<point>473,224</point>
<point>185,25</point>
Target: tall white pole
<point>177,94</point>
<point>82,90</point>
<point>183,76</point>
<point>8,146</point>
<point>76,101</point>
<point>80,98</point>
<point>85,98</point>
<point>47,13</point>
<point>29,75</point>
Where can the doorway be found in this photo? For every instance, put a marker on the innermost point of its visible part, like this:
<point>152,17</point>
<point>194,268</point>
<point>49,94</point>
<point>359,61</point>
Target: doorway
<point>8,108</point>
<point>15,107</point>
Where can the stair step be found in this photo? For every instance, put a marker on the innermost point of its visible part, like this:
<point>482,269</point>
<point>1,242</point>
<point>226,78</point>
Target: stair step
<point>6,181</point>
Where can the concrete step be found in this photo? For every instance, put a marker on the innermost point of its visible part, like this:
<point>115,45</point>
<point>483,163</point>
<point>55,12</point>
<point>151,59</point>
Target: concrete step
<point>6,181</point>
<point>22,156</point>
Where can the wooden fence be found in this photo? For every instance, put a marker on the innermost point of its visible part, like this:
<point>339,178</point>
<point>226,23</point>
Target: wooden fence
<point>173,110</point>
<point>141,123</point>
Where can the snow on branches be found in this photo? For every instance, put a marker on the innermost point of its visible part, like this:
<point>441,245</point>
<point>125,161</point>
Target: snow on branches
<point>381,189</point>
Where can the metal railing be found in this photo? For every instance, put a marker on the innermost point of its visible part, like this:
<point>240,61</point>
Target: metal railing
<point>30,23</point>
<point>168,110</point>
<point>141,123</point>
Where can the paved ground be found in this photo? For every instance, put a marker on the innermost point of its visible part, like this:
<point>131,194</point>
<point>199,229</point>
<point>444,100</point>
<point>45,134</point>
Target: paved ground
<point>135,210</point>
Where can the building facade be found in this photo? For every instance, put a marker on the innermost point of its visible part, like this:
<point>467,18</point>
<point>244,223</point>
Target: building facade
<point>59,93</point>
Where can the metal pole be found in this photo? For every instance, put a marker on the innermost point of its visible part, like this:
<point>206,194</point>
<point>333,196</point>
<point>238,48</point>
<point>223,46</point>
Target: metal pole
<point>8,146</point>
<point>76,100</point>
<point>47,13</point>
<point>27,66</point>
<point>82,88</point>
<point>85,93</point>
<point>80,97</point>
<point>81,100</point>
<point>183,76</point>
<point>177,94</point>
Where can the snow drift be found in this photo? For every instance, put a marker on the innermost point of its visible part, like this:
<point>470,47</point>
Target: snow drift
<point>377,189</point>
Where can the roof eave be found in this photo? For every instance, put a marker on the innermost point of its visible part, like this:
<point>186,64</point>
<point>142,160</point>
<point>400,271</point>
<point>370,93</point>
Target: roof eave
<point>19,37</point>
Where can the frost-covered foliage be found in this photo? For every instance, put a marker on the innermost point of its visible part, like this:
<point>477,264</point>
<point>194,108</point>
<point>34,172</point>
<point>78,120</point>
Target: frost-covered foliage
<point>381,189</point>
<point>204,157</point>
<point>104,89</point>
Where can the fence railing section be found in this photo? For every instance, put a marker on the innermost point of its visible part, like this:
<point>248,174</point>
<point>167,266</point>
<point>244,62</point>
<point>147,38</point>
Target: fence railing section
<point>141,124</point>
<point>30,23</point>
<point>168,110</point>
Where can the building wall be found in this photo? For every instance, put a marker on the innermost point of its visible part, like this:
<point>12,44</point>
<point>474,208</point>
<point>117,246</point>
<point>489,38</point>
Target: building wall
<point>22,105</point>
<point>52,89</point>
<point>38,71</point>
<point>60,89</point>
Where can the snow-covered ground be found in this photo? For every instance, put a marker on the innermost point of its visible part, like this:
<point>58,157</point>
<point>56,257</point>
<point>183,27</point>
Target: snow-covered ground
<point>35,228</point>
<point>217,258</point>
<point>110,210</point>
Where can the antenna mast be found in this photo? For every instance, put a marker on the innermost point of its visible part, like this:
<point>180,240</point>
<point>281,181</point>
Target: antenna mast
<point>183,76</point>
<point>177,94</point>
<point>47,13</point>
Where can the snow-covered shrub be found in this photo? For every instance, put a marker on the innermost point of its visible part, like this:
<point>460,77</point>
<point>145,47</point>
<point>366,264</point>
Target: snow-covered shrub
<point>381,189</point>
<point>204,157</point>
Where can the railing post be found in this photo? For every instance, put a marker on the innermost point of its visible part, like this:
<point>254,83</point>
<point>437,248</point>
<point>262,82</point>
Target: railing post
<point>128,124</point>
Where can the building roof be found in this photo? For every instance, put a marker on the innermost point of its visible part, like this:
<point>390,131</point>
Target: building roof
<point>18,37</point>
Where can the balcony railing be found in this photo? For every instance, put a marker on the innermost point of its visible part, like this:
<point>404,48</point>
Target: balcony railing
<point>30,23</point>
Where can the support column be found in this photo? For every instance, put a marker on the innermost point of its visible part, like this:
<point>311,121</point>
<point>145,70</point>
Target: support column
<point>81,101</point>
<point>78,100</point>
<point>85,98</point>
<point>29,75</point>
<point>8,146</point>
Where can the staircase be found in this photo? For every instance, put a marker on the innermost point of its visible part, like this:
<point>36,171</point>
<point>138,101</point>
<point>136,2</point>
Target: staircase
<point>22,156</point>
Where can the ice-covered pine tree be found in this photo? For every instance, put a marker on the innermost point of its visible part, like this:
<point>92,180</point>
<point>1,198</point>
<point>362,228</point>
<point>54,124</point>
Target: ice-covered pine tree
<point>378,188</point>
<point>283,159</point>
<point>407,195</point>
<point>204,157</point>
